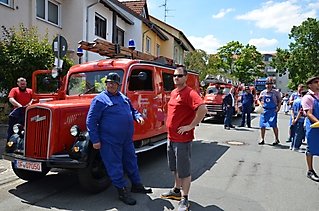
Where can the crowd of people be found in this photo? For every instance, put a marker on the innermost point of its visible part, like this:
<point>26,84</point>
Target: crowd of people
<point>111,110</point>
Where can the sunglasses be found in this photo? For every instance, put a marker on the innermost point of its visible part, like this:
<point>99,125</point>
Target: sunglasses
<point>178,75</point>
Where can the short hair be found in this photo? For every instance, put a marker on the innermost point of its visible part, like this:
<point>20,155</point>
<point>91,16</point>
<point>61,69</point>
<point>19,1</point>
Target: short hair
<point>301,85</point>
<point>182,67</point>
<point>21,79</point>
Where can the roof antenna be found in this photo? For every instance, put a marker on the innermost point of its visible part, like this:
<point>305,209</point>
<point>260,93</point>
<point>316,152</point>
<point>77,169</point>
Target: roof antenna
<point>166,10</point>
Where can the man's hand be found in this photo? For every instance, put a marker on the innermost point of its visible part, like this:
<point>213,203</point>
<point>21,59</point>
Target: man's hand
<point>97,145</point>
<point>140,120</point>
<point>184,129</point>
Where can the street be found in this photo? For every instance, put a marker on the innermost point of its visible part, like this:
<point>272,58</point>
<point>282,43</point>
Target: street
<point>230,171</point>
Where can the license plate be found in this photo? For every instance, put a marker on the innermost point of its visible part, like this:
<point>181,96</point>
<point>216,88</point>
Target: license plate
<point>212,112</point>
<point>28,165</point>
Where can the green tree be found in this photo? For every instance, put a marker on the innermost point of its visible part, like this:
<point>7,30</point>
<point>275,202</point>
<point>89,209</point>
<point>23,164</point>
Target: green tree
<point>304,52</point>
<point>23,51</point>
<point>242,62</point>
<point>197,61</point>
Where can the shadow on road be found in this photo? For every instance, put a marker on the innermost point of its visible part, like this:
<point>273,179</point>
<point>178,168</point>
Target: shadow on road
<point>61,189</point>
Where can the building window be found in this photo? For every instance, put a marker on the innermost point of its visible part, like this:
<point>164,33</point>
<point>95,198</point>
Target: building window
<point>120,36</point>
<point>8,3</point>
<point>48,10</point>
<point>176,55</point>
<point>100,26</point>
<point>148,45</point>
<point>158,50</point>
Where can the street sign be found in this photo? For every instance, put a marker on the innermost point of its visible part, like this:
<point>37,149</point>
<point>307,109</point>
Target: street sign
<point>59,46</point>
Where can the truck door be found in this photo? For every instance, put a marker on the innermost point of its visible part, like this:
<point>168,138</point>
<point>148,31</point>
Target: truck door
<point>142,89</point>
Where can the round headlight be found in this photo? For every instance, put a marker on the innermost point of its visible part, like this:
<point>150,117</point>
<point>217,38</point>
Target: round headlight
<point>75,130</point>
<point>16,128</point>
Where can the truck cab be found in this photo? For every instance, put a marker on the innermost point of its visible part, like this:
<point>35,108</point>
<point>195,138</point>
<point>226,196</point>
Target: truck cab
<point>54,134</point>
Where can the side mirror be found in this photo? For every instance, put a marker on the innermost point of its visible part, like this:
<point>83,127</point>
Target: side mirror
<point>142,76</point>
<point>46,80</point>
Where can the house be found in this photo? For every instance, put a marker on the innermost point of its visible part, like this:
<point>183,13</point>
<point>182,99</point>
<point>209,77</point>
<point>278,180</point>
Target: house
<point>178,43</point>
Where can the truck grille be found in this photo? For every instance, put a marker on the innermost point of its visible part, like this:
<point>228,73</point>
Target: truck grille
<point>37,132</point>
<point>214,107</point>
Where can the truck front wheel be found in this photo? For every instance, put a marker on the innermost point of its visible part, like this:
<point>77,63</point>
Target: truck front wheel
<point>94,177</point>
<point>30,175</point>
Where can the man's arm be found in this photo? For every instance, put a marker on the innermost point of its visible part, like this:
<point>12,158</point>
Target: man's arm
<point>199,115</point>
<point>310,115</point>
<point>14,102</point>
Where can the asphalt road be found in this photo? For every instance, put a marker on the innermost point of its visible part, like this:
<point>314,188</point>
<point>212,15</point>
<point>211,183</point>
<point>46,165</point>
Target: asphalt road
<point>230,171</point>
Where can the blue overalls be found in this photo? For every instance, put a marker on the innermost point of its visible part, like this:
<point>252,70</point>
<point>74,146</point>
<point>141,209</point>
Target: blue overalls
<point>247,100</point>
<point>269,117</point>
<point>298,127</point>
<point>110,121</point>
<point>312,134</point>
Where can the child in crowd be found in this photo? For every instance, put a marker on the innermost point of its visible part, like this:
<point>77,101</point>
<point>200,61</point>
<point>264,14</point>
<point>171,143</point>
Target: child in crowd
<point>298,119</point>
<point>285,100</point>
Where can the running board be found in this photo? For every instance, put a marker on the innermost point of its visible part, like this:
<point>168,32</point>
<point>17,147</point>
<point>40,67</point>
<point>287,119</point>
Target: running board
<point>150,146</point>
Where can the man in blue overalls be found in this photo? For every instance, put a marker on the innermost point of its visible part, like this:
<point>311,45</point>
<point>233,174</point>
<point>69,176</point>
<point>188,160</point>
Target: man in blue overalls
<point>110,126</point>
<point>270,99</point>
<point>247,100</point>
<point>310,104</point>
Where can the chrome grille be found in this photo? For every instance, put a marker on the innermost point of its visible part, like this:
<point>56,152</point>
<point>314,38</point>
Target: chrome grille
<point>37,132</point>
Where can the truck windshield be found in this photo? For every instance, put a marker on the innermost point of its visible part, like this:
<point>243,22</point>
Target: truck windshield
<point>89,82</point>
<point>220,90</point>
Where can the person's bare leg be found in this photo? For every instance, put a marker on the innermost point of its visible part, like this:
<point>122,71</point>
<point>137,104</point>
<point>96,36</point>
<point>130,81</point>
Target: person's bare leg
<point>275,129</point>
<point>186,184</point>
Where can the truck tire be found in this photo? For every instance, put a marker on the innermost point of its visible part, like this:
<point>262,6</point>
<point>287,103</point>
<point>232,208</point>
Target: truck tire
<point>94,177</point>
<point>30,175</point>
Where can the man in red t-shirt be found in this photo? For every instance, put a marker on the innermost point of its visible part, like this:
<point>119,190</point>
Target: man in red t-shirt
<point>185,110</point>
<point>20,97</point>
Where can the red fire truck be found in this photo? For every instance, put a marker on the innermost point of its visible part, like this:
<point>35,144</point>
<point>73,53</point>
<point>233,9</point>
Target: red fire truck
<point>54,134</point>
<point>215,93</point>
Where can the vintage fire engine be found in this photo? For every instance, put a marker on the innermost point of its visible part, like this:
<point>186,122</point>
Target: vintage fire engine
<point>216,91</point>
<point>54,134</point>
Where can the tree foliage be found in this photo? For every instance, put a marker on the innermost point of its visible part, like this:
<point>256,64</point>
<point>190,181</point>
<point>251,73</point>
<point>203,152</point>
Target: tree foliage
<point>197,61</point>
<point>304,51</point>
<point>23,51</point>
<point>242,62</point>
<point>301,59</point>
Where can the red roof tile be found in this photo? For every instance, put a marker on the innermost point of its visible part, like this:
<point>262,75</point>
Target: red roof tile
<point>136,6</point>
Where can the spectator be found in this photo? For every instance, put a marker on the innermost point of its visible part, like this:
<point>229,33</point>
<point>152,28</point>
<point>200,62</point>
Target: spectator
<point>271,101</point>
<point>109,113</point>
<point>185,110</point>
<point>310,104</point>
<point>298,119</point>
<point>229,109</point>
<point>285,103</point>
<point>20,97</point>
<point>293,96</point>
<point>247,100</point>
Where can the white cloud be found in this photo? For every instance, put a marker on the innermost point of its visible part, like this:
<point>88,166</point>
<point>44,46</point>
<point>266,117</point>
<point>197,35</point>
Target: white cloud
<point>281,16</point>
<point>209,43</point>
<point>222,13</point>
<point>314,5</point>
<point>261,43</point>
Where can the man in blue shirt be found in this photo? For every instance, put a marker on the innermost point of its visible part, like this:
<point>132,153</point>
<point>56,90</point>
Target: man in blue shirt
<point>247,100</point>
<point>110,126</point>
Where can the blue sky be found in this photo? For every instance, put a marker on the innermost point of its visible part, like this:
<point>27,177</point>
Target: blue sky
<point>210,24</point>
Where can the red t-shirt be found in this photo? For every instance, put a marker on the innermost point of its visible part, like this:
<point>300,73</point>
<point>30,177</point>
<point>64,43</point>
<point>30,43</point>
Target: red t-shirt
<point>21,97</point>
<point>182,108</point>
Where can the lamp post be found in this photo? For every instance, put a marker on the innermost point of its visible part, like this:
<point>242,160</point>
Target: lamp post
<point>80,54</point>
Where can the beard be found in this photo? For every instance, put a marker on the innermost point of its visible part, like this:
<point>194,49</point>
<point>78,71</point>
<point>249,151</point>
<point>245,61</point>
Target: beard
<point>22,89</point>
